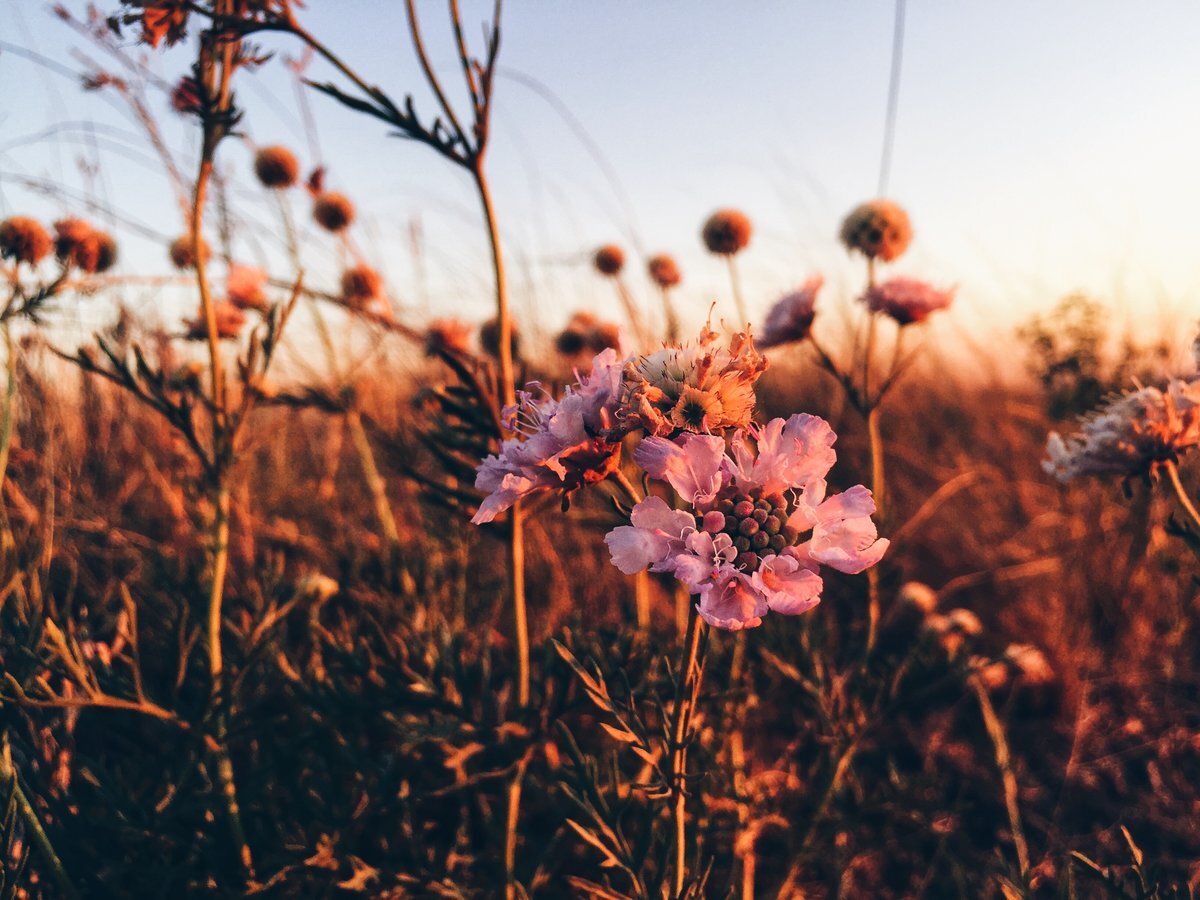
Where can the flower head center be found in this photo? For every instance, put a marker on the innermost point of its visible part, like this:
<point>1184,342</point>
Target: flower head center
<point>755,522</point>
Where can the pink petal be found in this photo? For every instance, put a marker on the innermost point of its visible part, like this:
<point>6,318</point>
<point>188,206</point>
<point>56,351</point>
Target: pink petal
<point>648,540</point>
<point>731,603</point>
<point>845,536</point>
<point>692,466</point>
<point>790,585</point>
<point>792,453</point>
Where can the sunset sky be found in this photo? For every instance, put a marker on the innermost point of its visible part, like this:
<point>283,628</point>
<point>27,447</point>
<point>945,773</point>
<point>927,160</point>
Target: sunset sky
<point>1040,148</point>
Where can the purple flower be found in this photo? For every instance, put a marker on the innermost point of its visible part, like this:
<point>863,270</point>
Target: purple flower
<point>791,318</point>
<point>761,525</point>
<point>907,300</point>
<point>560,444</point>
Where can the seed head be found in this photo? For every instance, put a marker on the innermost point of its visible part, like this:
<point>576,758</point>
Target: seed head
<point>877,229</point>
<point>489,338</point>
<point>609,260</point>
<point>663,271</point>
<point>360,286</point>
<point>181,252</point>
<point>78,244</point>
<point>447,336</point>
<point>24,240</point>
<point>245,286</point>
<point>726,232</point>
<point>276,167</point>
<point>229,318</point>
<point>333,211</point>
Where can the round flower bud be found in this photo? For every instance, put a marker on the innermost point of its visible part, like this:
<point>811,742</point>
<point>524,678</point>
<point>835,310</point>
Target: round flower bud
<point>726,232</point>
<point>276,167</point>
<point>664,271</point>
<point>333,211</point>
<point>489,337</point>
<point>77,244</point>
<point>181,252</point>
<point>609,259</point>
<point>105,252</point>
<point>24,240</point>
<point>877,229</point>
<point>361,285</point>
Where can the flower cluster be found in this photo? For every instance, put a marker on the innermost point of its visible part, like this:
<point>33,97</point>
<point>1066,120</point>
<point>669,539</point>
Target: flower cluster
<point>701,388</point>
<point>1131,434</point>
<point>760,524</point>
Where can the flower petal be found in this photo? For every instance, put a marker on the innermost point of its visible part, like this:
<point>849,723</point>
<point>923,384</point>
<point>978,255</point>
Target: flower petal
<point>790,584</point>
<point>731,603</point>
<point>648,540</point>
<point>692,465</point>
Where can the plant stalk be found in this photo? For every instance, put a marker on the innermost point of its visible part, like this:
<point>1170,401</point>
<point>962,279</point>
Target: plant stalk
<point>687,688</point>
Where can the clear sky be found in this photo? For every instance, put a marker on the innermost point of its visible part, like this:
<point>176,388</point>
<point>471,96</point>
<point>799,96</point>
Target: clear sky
<point>1040,147</point>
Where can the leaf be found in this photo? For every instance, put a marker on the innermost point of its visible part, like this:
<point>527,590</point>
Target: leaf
<point>610,859</point>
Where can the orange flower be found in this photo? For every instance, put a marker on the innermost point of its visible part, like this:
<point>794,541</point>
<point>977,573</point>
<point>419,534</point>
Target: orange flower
<point>24,239</point>
<point>664,271</point>
<point>877,229</point>
<point>609,260</point>
<point>181,252</point>
<point>726,232</point>
<point>276,167</point>
<point>333,211</point>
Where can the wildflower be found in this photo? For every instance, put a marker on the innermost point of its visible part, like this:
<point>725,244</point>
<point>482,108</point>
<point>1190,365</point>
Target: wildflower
<point>276,167</point>
<point>447,336</point>
<point>182,252</point>
<point>877,229</point>
<point>907,300</point>
<point>584,333</point>
<point>333,211</point>
<point>229,318</point>
<point>360,286</point>
<point>185,96</point>
<point>245,286</point>
<point>791,318</point>
<point>560,445</point>
<point>701,388</point>
<point>1131,434</point>
<point>489,337</point>
<point>760,527</point>
<point>609,260</point>
<point>78,244</point>
<point>664,271</point>
<point>726,232</point>
<point>24,240</point>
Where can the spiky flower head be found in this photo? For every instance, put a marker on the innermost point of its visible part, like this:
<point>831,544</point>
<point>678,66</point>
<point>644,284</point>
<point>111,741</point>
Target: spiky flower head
<point>726,232</point>
<point>879,229</point>
<point>1132,434</point>
<point>907,300</point>
<point>245,287</point>
<point>185,96</point>
<point>791,318</point>
<point>609,260</point>
<point>333,211</point>
<point>183,252</point>
<point>361,285</point>
<point>24,240</point>
<point>664,271</point>
<point>701,388</point>
<point>78,244</point>
<point>276,167</point>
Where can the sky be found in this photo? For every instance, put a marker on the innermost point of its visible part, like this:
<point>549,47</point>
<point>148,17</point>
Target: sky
<point>1040,149</point>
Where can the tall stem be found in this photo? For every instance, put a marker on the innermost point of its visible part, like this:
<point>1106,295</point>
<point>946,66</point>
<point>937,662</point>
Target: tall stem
<point>737,758</point>
<point>738,302</point>
<point>378,490</point>
<point>687,688</point>
<point>8,424</point>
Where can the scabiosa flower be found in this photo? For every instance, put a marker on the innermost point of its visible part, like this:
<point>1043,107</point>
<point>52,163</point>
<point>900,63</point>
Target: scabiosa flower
<point>78,244</point>
<point>24,240</point>
<point>245,286</point>
<point>333,211</point>
<point>791,318</point>
<point>1132,434</point>
<point>182,252</point>
<point>664,271</point>
<point>276,167</point>
<point>907,300</point>
<point>877,229</point>
<point>361,286</point>
<point>760,526</point>
<point>447,336</point>
<point>702,388</point>
<point>726,232</point>
<point>609,260</point>
<point>561,445</point>
<point>230,321</point>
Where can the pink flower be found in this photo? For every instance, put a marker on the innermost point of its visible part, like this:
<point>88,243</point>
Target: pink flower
<point>561,444</point>
<point>792,315</point>
<point>761,525</point>
<point>907,300</point>
<point>245,287</point>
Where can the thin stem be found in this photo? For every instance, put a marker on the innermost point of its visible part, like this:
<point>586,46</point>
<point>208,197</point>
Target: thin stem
<point>878,489</point>
<point>738,302</point>
<point>737,757</point>
<point>512,819</point>
<point>33,824</point>
<point>687,688</point>
<point>1184,500</point>
<point>7,420</point>
<point>630,489</point>
<point>641,599</point>
<point>378,488</point>
<point>995,730</point>
<point>671,318</point>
